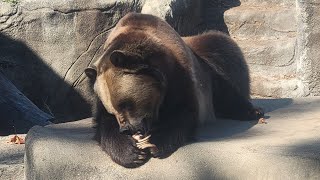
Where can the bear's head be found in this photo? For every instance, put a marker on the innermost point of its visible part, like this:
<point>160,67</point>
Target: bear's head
<point>130,87</point>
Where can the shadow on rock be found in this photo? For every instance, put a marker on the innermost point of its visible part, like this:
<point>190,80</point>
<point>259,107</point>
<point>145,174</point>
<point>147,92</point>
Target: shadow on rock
<point>200,16</point>
<point>226,128</point>
<point>307,149</point>
<point>270,105</point>
<point>38,82</point>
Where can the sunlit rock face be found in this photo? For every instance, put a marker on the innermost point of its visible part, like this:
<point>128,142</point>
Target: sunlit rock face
<point>45,45</point>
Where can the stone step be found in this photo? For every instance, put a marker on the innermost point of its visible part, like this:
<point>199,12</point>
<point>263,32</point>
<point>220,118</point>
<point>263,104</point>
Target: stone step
<point>266,22</point>
<point>268,2</point>
<point>287,147</point>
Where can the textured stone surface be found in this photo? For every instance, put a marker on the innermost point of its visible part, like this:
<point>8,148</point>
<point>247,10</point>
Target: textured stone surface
<point>266,31</point>
<point>186,17</point>
<point>287,147</point>
<point>308,44</point>
<point>45,46</point>
<point>268,2</point>
<point>11,159</point>
<point>280,41</point>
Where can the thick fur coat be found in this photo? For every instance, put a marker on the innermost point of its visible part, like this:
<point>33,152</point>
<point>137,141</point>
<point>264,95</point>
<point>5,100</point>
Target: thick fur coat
<point>151,81</point>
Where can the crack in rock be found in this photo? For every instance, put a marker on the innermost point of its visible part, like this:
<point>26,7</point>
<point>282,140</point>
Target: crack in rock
<point>292,60</point>
<point>93,41</point>
<point>11,19</point>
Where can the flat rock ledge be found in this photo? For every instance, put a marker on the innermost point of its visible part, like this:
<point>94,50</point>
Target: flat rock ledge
<point>287,147</point>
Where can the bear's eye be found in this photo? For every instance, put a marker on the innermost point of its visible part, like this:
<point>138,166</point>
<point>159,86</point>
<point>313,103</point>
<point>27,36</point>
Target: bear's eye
<point>126,105</point>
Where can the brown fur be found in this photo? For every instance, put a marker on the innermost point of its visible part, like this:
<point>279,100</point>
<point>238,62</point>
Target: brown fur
<point>152,81</point>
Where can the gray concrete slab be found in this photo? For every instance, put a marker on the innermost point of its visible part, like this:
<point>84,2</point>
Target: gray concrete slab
<point>287,147</point>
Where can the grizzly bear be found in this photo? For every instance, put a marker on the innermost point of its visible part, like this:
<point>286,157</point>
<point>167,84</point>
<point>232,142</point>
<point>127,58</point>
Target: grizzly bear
<point>152,82</point>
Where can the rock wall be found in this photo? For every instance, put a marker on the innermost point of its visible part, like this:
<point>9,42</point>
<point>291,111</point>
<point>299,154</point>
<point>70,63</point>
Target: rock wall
<point>279,39</point>
<point>45,45</point>
<point>308,60</point>
<point>267,33</point>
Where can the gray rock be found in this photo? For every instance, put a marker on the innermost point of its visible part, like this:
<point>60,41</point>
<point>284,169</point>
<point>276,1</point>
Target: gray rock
<point>287,147</point>
<point>11,159</point>
<point>272,53</point>
<point>269,2</point>
<point>279,41</point>
<point>308,45</point>
<point>262,22</point>
<point>46,45</point>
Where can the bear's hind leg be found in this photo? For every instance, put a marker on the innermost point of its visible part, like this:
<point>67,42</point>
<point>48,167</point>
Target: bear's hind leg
<point>229,103</point>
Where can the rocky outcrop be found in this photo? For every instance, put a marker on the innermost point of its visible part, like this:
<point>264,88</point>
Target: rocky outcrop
<point>45,45</point>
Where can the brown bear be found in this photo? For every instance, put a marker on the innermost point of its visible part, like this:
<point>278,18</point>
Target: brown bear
<point>150,81</point>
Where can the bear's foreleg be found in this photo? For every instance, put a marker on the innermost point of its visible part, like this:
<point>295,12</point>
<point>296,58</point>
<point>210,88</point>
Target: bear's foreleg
<point>177,132</point>
<point>121,148</point>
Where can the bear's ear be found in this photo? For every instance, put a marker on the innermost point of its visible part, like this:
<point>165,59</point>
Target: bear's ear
<point>91,72</point>
<point>125,59</point>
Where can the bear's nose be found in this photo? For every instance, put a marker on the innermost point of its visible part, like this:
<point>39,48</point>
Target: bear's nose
<point>140,128</point>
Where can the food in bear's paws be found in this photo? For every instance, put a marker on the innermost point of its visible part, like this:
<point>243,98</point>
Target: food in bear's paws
<point>143,143</point>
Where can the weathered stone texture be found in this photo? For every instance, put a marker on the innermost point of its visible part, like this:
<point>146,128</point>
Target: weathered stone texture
<point>187,17</point>
<point>267,32</point>
<point>309,45</point>
<point>45,45</point>
<point>288,147</point>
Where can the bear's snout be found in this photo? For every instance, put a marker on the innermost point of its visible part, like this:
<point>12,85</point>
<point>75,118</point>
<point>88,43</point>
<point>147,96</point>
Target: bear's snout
<point>137,128</point>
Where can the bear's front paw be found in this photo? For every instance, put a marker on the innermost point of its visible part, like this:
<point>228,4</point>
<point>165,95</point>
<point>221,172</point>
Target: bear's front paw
<point>165,145</point>
<point>256,113</point>
<point>144,144</point>
<point>128,155</point>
